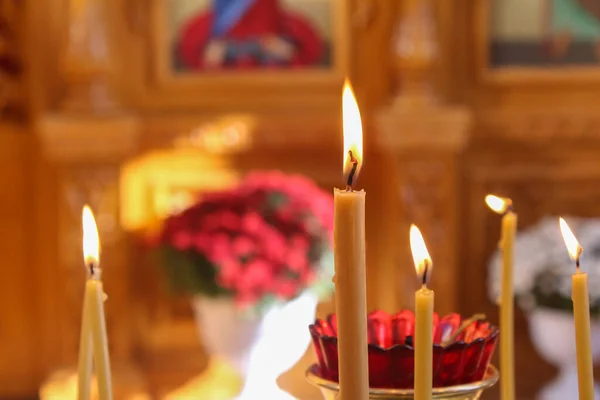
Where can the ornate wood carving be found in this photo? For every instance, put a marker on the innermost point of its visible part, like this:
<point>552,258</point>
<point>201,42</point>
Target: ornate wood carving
<point>427,196</point>
<point>425,144</point>
<point>415,50</point>
<point>542,125</point>
<point>88,138</point>
<point>86,62</point>
<point>12,81</point>
<point>423,138</point>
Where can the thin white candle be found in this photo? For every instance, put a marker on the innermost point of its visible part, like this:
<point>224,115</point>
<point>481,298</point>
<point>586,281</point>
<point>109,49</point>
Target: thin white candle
<point>94,343</point>
<point>84,369</point>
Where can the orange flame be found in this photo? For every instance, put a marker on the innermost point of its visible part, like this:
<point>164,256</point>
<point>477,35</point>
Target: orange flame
<point>498,204</point>
<point>353,140</point>
<point>421,257</point>
<point>91,241</point>
<point>571,242</point>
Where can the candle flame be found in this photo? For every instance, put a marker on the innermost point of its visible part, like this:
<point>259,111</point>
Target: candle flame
<point>353,141</point>
<point>91,241</point>
<point>421,257</point>
<point>498,204</point>
<point>571,242</point>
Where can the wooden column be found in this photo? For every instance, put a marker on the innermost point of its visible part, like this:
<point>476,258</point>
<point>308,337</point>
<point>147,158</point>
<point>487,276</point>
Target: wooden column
<point>423,138</point>
<point>88,139</point>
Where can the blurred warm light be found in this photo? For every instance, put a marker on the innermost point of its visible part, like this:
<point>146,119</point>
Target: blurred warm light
<point>175,203</point>
<point>217,382</point>
<point>161,183</point>
<point>571,242</point>
<point>420,254</point>
<point>62,385</point>
<point>352,129</point>
<point>227,134</point>
<point>91,241</point>
<point>497,204</point>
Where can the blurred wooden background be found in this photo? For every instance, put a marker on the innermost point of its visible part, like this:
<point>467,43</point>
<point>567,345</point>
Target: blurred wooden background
<point>442,129</point>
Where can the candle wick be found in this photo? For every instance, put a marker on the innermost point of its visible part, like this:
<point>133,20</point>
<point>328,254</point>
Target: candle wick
<point>91,266</point>
<point>579,251</point>
<point>425,270</point>
<point>350,179</point>
<point>509,207</point>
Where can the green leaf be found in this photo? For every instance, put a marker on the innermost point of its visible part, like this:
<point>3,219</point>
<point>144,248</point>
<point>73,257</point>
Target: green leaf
<point>189,272</point>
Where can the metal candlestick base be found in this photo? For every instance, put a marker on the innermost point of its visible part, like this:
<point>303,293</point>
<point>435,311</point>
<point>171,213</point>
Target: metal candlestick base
<point>467,391</point>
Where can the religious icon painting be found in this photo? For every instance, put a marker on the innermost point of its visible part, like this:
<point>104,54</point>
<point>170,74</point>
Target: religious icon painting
<point>546,33</point>
<point>537,41</point>
<point>249,35</point>
<point>230,48</point>
<point>223,35</point>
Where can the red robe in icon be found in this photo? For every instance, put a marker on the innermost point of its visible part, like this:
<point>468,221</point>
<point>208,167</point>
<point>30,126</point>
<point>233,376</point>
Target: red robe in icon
<point>242,24</point>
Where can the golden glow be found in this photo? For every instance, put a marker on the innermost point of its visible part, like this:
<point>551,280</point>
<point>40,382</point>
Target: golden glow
<point>497,204</point>
<point>91,241</point>
<point>571,242</point>
<point>420,254</point>
<point>352,128</point>
<point>149,183</point>
<point>227,134</point>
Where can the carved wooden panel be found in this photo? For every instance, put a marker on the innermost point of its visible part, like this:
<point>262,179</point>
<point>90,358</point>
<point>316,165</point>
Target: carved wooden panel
<point>427,197</point>
<point>541,125</point>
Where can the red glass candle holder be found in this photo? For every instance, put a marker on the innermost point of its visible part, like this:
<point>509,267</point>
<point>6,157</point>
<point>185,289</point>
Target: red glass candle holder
<point>391,355</point>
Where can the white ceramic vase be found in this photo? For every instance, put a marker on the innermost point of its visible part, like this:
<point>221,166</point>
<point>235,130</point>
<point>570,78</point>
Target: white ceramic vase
<point>260,349</point>
<point>553,335</point>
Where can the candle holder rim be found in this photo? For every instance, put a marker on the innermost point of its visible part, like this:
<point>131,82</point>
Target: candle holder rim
<point>456,344</point>
<point>495,331</point>
<point>491,377</point>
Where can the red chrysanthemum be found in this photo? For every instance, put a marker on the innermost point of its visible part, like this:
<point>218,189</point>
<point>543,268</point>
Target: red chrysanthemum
<point>262,239</point>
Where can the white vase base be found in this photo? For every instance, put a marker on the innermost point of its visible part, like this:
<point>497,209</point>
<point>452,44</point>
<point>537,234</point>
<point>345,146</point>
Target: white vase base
<point>564,387</point>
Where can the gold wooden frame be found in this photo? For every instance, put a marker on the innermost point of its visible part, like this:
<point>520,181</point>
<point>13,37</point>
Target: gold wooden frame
<point>578,75</point>
<point>259,87</point>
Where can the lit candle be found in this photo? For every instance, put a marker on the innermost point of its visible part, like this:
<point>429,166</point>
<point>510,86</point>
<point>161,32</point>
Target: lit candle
<point>581,312</point>
<point>507,241</point>
<point>424,298</point>
<point>93,342</point>
<point>350,262</point>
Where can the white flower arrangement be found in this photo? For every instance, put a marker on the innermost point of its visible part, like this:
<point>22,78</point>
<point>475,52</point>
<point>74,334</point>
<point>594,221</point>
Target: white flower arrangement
<point>542,268</point>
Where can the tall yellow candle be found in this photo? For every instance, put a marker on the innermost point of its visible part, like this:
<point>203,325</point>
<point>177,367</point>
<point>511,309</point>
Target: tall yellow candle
<point>581,312</point>
<point>84,369</point>
<point>424,298</point>
<point>350,262</point>
<point>93,340</point>
<point>507,332</point>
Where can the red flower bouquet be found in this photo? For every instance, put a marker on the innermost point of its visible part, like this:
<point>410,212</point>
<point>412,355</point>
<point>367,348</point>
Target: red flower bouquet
<point>265,240</point>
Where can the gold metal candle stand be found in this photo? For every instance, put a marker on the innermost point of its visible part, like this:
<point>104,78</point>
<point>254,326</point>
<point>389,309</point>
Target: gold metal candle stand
<point>467,391</point>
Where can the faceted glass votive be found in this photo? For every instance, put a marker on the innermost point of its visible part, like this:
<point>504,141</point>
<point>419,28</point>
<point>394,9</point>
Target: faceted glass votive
<point>463,359</point>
